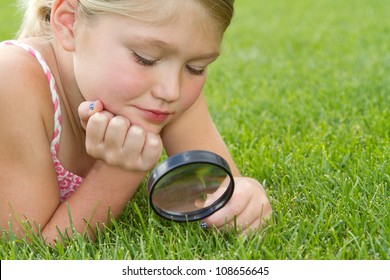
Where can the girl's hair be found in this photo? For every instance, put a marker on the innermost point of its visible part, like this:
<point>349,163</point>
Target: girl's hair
<point>36,20</point>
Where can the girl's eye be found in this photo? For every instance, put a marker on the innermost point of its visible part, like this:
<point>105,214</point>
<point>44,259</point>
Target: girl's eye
<point>196,72</point>
<point>143,61</point>
<point>147,62</point>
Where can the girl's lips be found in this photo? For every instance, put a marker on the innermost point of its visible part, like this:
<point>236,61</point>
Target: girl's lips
<point>154,116</point>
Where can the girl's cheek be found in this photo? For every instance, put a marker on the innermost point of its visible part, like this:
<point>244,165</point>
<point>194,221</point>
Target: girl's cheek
<point>194,94</point>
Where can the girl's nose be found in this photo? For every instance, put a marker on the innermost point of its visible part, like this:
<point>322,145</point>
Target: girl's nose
<point>168,87</point>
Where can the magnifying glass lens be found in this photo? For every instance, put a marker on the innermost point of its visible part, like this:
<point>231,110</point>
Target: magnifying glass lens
<point>190,188</point>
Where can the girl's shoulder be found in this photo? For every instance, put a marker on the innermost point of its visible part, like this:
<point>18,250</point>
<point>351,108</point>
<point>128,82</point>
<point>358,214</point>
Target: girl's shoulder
<point>24,90</point>
<point>19,69</point>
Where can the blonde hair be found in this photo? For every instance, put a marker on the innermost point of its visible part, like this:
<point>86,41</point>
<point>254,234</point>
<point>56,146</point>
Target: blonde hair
<point>36,20</point>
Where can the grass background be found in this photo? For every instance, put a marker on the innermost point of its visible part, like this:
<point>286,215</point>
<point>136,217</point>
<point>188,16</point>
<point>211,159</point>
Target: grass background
<point>301,96</point>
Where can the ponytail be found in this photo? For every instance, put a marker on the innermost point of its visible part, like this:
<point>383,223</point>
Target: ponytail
<point>36,19</point>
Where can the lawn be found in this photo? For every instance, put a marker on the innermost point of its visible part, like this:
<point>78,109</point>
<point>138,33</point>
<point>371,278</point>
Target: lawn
<point>9,19</point>
<point>301,96</point>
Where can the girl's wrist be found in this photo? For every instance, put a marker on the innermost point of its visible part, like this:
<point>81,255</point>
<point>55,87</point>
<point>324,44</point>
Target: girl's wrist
<point>112,176</point>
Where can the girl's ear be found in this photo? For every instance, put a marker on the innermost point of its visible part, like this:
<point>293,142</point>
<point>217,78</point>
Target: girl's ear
<point>62,20</point>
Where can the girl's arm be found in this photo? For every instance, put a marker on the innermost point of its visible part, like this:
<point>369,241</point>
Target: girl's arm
<point>249,206</point>
<point>108,187</point>
<point>103,195</point>
<point>28,187</point>
<point>28,184</point>
<point>194,130</point>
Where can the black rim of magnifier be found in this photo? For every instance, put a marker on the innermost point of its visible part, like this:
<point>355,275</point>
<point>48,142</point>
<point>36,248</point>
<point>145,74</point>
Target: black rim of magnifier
<point>187,158</point>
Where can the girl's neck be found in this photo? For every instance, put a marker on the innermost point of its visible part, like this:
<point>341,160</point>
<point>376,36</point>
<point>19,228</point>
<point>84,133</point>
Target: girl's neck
<point>62,67</point>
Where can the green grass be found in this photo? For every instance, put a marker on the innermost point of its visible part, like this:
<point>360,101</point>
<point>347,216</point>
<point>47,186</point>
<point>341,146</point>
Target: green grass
<point>301,95</point>
<point>9,19</point>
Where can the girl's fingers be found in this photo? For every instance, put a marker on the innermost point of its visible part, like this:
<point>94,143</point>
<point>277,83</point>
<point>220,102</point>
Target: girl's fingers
<point>232,209</point>
<point>95,133</point>
<point>116,141</point>
<point>246,211</point>
<point>152,150</point>
<point>116,133</point>
<point>251,219</point>
<point>141,149</point>
<point>134,142</point>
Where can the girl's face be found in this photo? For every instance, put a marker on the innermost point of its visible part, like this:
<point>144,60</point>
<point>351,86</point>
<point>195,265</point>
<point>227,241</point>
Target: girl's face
<point>147,73</point>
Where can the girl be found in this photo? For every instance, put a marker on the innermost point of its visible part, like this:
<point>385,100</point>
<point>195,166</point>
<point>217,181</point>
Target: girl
<point>142,65</point>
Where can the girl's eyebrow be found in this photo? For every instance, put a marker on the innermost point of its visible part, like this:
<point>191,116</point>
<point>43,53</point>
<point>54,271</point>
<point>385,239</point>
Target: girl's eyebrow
<point>172,47</point>
<point>159,43</point>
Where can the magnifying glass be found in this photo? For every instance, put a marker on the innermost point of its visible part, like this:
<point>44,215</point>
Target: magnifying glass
<point>190,186</point>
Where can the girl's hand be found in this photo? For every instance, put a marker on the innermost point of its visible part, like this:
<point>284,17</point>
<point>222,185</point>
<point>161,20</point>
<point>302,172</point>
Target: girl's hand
<point>246,211</point>
<point>114,140</point>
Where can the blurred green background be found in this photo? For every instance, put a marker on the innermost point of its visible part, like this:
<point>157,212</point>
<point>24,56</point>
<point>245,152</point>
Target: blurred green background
<point>9,19</point>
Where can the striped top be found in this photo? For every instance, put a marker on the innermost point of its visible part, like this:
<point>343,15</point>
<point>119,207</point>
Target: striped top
<point>67,181</point>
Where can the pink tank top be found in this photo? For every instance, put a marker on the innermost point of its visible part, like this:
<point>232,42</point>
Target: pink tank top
<point>67,181</point>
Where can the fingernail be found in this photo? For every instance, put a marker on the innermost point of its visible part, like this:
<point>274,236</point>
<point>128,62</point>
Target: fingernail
<point>203,225</point>
<point>92,106</point>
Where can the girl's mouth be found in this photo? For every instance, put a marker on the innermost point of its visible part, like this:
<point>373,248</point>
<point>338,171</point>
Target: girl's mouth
<point>154,116</point>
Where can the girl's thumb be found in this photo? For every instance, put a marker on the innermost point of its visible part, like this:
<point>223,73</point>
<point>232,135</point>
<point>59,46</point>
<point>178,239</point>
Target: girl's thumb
<point>87,109</point>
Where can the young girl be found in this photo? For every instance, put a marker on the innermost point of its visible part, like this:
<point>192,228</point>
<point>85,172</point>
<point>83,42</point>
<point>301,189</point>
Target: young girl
<point>92,91</point>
